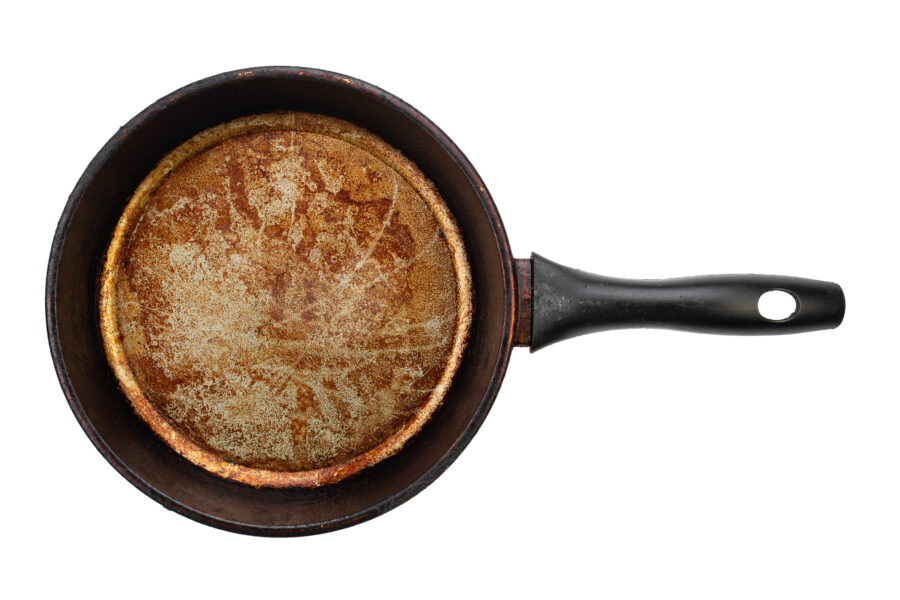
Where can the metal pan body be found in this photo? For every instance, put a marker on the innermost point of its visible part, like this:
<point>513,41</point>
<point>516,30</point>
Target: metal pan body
<point>86,227</point>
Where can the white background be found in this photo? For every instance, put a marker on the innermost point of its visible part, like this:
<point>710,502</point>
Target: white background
<point>632,139</point>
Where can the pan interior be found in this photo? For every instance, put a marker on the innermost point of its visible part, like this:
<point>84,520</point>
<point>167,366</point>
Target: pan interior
<point>285,299</point>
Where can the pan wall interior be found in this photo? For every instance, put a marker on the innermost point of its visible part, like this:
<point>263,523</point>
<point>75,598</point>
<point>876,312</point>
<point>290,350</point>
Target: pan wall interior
<point>105,413</point>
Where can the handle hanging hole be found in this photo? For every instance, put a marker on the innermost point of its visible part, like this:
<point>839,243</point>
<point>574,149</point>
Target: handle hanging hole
<point>777,305</point>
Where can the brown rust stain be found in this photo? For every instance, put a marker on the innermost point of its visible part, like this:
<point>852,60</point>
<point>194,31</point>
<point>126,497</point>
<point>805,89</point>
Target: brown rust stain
<point>286,299</point>
<point>524,302</point>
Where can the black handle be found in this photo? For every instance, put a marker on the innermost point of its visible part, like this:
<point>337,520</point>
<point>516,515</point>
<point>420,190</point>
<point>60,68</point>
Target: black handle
<point>569,302</point>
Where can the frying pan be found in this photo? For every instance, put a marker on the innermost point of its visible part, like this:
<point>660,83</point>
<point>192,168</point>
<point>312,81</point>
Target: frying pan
<point>517,302</point>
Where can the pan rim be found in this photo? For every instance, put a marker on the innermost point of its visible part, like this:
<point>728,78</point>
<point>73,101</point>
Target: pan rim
<point>500,364</point>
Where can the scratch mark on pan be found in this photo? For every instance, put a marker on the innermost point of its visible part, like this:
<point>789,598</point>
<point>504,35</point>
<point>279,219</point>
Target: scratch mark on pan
<point>385,222</point>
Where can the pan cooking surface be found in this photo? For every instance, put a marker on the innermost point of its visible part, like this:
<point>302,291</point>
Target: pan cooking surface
<point>285,300</point>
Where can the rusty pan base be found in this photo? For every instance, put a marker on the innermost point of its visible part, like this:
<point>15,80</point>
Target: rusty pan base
<point>285,300</point>
<point>87,225</point>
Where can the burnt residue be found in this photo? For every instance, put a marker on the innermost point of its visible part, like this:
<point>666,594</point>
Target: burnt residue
<point>292,298</point>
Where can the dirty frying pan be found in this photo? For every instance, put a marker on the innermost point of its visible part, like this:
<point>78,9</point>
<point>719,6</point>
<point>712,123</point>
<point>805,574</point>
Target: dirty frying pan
<point>280,301</point>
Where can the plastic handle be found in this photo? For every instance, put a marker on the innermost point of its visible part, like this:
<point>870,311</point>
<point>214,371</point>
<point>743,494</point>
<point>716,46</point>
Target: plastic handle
<point>569,303</point>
